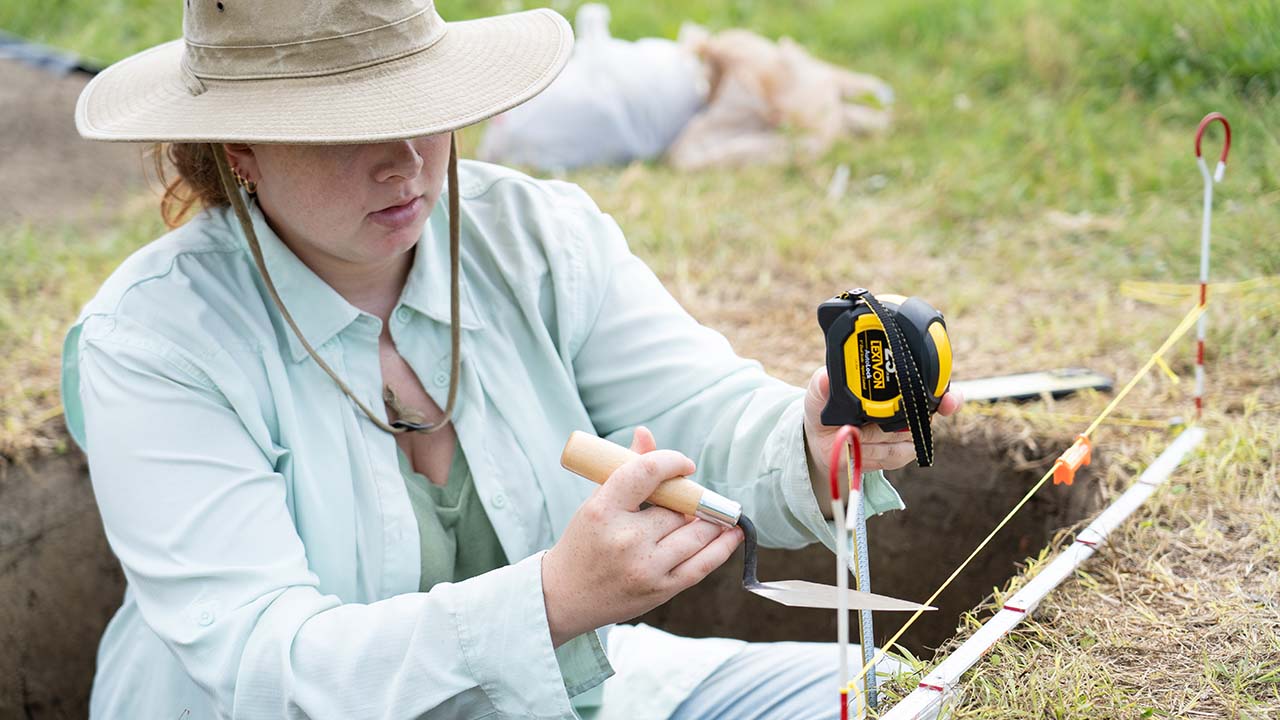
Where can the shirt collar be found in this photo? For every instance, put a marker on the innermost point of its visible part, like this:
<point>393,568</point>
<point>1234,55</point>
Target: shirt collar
<point>317,308</point>
<point>427,288</point>
<point>321,312</point>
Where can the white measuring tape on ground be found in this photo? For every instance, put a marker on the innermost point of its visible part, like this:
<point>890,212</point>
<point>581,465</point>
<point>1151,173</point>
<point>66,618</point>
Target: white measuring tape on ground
<point>938,689</point>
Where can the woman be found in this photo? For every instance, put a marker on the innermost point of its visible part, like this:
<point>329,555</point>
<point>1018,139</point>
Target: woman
<point>331,479</point>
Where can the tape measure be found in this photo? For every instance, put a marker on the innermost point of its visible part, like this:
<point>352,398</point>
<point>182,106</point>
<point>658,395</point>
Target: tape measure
<point>889,360</point>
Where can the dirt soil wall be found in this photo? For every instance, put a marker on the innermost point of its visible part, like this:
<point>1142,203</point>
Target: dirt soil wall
<point>950,508</point>
<point>59,584</point>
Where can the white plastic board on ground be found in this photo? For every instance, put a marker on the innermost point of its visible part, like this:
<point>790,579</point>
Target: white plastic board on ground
<point>1031,385</point>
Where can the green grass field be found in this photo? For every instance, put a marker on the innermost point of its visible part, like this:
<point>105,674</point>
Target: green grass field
<point>1040,157</point>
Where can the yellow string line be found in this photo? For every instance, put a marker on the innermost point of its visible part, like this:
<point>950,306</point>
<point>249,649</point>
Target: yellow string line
<point>1178,332</point>
<point>1168,371</point>
<point>1177,293</point>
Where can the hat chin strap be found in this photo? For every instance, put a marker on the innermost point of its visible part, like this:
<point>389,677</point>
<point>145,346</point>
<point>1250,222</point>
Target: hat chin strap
<point>455,334</point>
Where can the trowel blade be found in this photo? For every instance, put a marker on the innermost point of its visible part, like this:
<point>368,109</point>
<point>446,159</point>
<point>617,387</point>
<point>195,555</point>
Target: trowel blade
<point>802,593</point>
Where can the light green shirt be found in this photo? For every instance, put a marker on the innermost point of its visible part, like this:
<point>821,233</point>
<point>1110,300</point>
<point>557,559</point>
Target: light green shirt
<point>456,541</point>
<point>263,523</point>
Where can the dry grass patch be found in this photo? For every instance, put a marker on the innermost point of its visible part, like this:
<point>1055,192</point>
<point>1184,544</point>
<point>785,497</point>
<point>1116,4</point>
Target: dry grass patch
<point>1177,616</point>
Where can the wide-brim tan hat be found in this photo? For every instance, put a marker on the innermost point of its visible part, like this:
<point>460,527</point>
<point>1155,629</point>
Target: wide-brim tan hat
<point>329,71</point>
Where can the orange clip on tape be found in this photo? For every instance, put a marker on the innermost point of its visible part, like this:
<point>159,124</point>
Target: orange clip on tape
<point>1065,467</point>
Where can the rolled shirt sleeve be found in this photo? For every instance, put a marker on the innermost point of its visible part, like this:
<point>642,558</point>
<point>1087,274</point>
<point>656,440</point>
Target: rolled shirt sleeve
<point>645,361</point>
<point>201,523</point>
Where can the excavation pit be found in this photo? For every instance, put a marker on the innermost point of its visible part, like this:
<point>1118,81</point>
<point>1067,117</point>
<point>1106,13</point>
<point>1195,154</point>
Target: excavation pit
<point>950,508</point>
<point>60,582</point>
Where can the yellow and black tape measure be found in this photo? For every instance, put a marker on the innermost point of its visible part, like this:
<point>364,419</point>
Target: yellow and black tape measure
<point>889,360</point>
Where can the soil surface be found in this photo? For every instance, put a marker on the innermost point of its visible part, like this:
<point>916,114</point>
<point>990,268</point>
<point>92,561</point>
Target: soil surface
<point>48,173</point>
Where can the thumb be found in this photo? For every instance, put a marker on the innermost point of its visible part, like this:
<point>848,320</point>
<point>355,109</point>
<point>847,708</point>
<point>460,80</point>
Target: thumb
<point>636,480</point>
<point>818,436</point>
<point>816,397</point>
<point>642,441</point>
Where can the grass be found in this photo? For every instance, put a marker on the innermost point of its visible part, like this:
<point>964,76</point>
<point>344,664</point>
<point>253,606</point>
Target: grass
<point>1040,158</point>
<point>1176,616</point>
<point>46,274</point>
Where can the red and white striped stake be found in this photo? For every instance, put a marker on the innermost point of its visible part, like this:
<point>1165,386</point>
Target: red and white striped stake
<point>847,435</point>
<point>1209,180</point>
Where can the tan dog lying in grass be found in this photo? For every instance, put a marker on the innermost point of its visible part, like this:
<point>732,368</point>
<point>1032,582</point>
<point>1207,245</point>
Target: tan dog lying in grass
<point>768,100</point>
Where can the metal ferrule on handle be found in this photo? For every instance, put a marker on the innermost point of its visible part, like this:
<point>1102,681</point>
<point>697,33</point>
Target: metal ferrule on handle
<point>716,508</point>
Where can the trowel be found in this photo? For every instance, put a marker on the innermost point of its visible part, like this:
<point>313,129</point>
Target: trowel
<point>596,459</point>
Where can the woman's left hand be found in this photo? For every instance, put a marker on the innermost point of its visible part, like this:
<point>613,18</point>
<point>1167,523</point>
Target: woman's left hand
<point>880,450</point>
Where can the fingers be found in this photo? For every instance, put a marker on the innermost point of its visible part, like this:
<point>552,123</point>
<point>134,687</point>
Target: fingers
<point>950,403</point>
<point>685,541</point>
<point>872,434</point>
<point>888,455</point>
<point>708,558</point>
<point>660,522</point>
<point>636,480</point>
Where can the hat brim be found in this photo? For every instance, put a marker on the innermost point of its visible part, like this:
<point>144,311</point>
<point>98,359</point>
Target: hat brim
<point>478,69</point>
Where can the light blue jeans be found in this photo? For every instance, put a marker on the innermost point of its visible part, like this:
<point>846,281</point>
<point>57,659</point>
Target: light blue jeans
<point>775,681</point>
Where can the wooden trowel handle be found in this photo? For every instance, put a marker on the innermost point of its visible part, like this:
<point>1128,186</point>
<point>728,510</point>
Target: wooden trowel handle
<point>596,459</point>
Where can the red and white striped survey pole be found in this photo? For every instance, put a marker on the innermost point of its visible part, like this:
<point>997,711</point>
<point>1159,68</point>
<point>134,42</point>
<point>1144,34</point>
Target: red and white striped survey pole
<point>1209,180</point>
<point>848,436</point>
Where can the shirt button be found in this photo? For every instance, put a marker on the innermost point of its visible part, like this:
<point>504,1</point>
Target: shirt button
<point>499,500</point>
<point>402,314</point>
<point>206,617</point>
<point>441,378</point>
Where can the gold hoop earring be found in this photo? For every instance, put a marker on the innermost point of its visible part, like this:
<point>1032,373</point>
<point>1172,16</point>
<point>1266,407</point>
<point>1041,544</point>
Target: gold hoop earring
<point>249,186</point>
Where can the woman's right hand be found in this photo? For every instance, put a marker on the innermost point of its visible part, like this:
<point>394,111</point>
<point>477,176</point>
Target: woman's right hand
<point>616,561</point>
